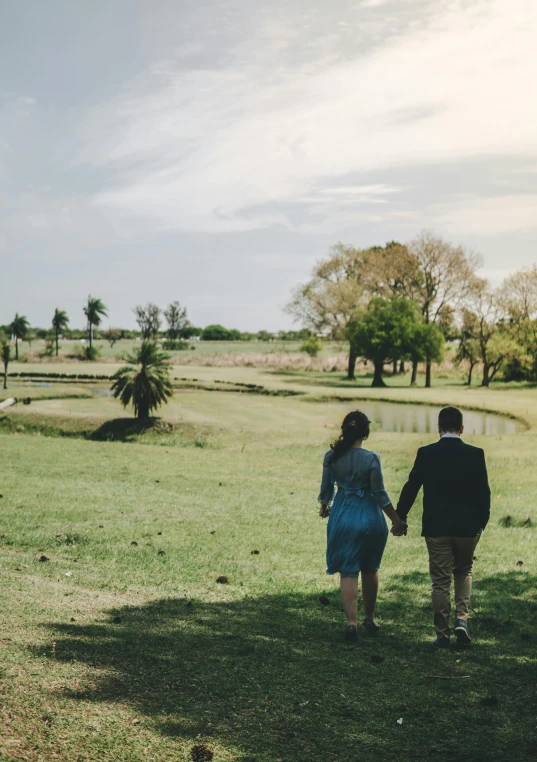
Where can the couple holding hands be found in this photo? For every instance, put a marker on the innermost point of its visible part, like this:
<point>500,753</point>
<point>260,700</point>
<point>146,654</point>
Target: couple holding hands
<point>456,509</point>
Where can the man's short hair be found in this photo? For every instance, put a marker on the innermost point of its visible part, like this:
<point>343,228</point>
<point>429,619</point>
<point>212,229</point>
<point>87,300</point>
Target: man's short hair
<point>450,419</point>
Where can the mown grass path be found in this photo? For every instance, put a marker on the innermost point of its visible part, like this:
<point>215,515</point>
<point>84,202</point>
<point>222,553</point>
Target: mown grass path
<point>118,651</point>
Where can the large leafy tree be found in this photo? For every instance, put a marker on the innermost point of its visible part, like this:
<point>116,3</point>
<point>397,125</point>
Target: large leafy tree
<point>384,330</point>
<point>145,381</point>
<point>178,323</point>
<point>337,288</point>
<point>148,319</point>
<point>60,322</point>
<point>443,278</point>
<point>19,331</point>
<point>94,311</point>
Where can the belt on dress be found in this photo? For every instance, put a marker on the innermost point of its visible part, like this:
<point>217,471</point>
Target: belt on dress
<point>350,491</point>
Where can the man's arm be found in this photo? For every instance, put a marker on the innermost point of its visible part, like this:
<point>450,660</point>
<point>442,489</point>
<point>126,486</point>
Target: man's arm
<point>411,488</point>
<point>484,492</point>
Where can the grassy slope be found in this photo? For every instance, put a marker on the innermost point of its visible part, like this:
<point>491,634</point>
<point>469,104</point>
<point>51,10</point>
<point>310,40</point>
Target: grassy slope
<point>256,668</point>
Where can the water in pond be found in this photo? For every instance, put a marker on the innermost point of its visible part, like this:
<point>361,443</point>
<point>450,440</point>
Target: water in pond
<point>423,419</point>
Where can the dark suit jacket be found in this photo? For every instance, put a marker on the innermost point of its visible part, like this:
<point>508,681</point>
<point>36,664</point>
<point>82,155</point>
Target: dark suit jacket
<point>456,493</point>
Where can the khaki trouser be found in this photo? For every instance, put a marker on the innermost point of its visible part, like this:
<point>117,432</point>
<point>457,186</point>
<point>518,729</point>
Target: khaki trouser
<point>450,556</point>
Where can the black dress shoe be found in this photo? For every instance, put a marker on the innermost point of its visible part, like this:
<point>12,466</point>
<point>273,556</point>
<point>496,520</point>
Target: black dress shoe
<point>371,626</point>
<point>351,633</point>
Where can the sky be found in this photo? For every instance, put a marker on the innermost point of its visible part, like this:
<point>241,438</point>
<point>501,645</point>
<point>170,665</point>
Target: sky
<point>211,152</point>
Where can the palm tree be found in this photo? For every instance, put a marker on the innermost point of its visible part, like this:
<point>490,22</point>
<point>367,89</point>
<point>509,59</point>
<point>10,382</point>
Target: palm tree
<point>94,311</point>
<point>5,352</point>
<point>60,321</point>
<point>19,329</point>
<point>145,381</point>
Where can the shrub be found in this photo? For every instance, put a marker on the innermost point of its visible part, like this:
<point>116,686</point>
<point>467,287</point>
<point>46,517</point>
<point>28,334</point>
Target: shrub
<point>312,346</point>
<point>175,345</point>
<point>87,353</point>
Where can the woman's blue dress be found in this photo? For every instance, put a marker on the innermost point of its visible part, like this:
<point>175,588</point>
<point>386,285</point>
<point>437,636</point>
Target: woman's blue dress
<point>357,531</point>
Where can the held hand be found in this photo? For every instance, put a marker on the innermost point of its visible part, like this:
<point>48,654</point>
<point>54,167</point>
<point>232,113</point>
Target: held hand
<point>399,528</point>
<point>324,511</point>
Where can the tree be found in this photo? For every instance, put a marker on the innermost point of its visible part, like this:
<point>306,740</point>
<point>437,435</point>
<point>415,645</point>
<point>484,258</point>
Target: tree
<point>216,332</point>
<point>328,302</point>
<point>148,319</point>
<point>145,381</point>
<point>19,329</point>
<point>487,327</point>
<point>5,351</point>
<point>427,343</point>
<point>94,311</point>
<point>178,323</point>
<point>60,322</point>
<point>468,349</point>
<point>386,329</point>
<point>112,335</point>
<point>518,296</point>
<point>444,277</point>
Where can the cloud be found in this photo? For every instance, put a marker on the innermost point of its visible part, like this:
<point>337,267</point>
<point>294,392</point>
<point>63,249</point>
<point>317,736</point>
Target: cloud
<point>487,216</point>
<point>204,149</point>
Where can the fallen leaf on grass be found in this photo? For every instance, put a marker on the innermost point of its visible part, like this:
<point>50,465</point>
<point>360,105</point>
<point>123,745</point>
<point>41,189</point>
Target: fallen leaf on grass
<point>400,721</point>
<point>222,580</point>
<point>17,568</point>
<point>42,559</point>
<point>136,722</point>
<point>68,574</point>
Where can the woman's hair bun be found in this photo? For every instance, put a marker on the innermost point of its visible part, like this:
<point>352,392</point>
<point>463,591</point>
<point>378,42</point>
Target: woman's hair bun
<point>355,426</point>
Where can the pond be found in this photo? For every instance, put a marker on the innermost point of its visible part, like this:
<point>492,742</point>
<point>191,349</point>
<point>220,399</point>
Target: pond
<point>423,419</point>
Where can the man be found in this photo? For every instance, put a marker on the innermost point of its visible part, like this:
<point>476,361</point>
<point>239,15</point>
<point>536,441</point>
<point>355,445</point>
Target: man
<point>456,509</point>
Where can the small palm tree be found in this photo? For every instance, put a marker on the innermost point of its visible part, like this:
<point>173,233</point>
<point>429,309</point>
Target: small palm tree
<point>19,329</point>
<point>5,353</point>
<point>94,311</point>
<point>145,381</point>
<point>60,321</point>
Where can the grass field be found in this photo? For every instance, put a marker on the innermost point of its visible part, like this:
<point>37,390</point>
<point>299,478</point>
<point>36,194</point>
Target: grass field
<point>122,645</point>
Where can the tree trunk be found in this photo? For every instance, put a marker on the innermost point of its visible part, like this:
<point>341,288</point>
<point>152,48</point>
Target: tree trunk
<point>16,348</point>
<point>486,379</point>
<point>394,371</point>
<point>90,337</point>
<point>469,381</point>
<point>377,378</point>
<point>402,366</point>
<point>56,345</point>
<point>428,374</point>
<point>414,375</point>
<point>351,365</point>
<point>5,376</point>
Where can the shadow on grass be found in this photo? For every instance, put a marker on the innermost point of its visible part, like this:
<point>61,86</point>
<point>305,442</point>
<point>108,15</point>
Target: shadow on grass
<point>271,678</point>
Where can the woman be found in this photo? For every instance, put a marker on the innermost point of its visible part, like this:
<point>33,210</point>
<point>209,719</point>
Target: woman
<point>357,530</point>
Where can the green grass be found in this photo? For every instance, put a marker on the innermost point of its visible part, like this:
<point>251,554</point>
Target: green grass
<point>118,651</point>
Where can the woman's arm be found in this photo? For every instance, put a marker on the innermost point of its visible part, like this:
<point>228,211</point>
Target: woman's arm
<point>327,488</point>
<point>399,527</point>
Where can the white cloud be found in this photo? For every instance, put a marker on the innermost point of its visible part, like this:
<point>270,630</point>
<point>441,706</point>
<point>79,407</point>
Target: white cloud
<point>195,150</point>
<point>487,216</point>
